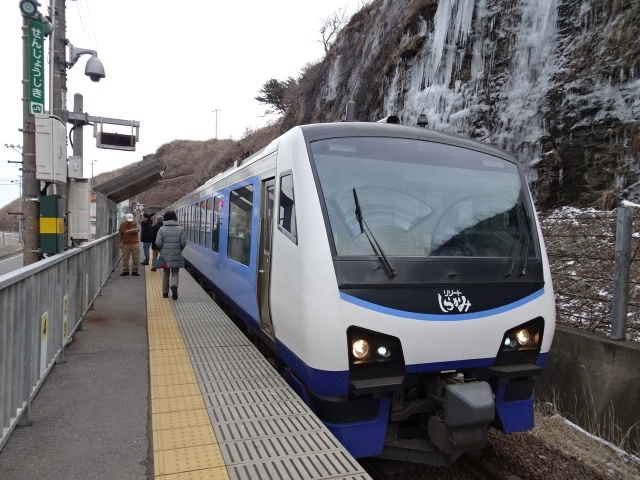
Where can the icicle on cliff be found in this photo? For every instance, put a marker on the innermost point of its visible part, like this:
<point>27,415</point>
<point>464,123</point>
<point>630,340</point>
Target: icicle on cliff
<point>556,82</point>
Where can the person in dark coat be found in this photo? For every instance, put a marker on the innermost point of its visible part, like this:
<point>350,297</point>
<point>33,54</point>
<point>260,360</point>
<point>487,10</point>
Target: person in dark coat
<point>145,236</point>
<point>171,240</point>
<point>155,251</point>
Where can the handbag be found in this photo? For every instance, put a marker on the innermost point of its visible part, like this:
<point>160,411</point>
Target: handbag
<point>160,262</point>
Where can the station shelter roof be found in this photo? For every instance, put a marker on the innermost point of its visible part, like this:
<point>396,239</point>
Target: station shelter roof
<point>133,182</point>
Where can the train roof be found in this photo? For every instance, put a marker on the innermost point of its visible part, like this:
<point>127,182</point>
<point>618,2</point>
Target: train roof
<point>319,131</point>
<point>326,130</point>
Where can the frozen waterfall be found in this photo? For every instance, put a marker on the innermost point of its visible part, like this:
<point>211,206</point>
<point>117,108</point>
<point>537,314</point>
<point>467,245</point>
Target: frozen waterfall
<point>462,28</point>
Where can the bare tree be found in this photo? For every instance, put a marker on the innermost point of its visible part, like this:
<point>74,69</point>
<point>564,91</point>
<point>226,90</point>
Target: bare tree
<point>331,26</point>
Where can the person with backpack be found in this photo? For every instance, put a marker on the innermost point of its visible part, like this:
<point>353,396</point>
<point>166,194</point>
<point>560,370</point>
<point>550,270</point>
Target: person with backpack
<point>171,240</point>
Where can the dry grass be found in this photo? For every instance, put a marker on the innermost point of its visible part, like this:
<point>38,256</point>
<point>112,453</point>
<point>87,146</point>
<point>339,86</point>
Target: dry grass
<point>564,437</point>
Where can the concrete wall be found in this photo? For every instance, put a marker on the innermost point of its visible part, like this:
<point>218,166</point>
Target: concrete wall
<point>595,382</point>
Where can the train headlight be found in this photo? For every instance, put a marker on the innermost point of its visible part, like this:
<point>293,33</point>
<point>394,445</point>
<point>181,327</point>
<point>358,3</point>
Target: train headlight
<point>360,349</point>
<point>384,352</point>
<point>518,338</point>
<point>521,341</point>
<point>373,354</point>
<point>523,336</point>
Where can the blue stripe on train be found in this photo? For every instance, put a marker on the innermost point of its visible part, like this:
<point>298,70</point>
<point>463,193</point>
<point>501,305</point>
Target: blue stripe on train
<point>438,317</point>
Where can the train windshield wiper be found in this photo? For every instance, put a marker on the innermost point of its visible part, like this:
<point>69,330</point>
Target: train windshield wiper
<point>364,228</point>
<point>523,220</point>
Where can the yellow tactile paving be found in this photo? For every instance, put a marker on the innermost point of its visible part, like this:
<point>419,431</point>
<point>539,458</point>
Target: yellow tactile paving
<point>177,362</point>
<point>163,380</point>
<point>206,474</point>
<point>173,391</point>
<point>182,438</point>
<point>186,459</point>
<point>177,356</point>
<point>165,405</point>
<point>171,369</point>
<point>185,446</point>
<point>185,418</point>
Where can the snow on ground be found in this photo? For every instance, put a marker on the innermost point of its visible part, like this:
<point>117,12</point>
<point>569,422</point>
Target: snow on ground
<point>581,247</point>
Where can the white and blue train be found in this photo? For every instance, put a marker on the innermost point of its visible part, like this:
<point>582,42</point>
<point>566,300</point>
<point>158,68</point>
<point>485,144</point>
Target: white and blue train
<point>397,275</point>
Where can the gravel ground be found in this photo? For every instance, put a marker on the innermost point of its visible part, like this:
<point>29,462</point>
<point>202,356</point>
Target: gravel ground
<point>553,450</point>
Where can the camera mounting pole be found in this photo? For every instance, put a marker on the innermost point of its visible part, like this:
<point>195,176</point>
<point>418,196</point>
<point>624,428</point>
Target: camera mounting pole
<point>74,54</point>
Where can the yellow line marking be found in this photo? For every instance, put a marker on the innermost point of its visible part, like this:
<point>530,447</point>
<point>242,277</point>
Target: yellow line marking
<point>184,443</point>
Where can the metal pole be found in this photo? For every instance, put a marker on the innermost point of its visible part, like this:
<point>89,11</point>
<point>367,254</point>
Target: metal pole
<point>216,112</point>
<point>621,273</point>
<point>20,217</point>
<point>78,134</point>
<point>59,91</point>
<point>78,151</point>
<point>30,185</point>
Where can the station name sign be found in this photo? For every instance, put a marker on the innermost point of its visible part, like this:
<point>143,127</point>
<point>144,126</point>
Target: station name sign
<point>36,67</point>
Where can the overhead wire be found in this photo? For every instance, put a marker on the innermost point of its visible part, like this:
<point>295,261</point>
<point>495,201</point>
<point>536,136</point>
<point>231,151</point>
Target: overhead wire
<point>88,30</point>
<point>86,23</point>
<point>93,39</point>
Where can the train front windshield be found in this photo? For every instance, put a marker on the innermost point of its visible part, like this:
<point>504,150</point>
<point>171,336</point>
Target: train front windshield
<point>420,199</point>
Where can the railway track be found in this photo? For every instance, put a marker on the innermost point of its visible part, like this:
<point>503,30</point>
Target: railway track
<point>469,466</point>
<point>481,469</point>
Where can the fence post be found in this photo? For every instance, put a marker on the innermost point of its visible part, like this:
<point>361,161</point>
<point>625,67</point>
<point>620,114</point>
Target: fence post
<point>621,273</point>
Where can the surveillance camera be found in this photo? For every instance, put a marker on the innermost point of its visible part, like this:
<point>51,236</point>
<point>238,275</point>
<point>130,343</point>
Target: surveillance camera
<point>95,77</point>
<point>94,69</point>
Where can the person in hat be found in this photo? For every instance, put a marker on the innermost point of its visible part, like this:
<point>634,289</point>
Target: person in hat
<point>146,236</point>
<point>130,244</point>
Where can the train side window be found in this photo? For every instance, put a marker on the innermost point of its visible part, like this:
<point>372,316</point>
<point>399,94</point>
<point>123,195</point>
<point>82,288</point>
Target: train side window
<point>202,222</point>
<point>193,223</point>
<point>240,218</point>
<point>187,218</point>
<point>217,223</point>
<point>207,225</point>
<point>287,212</point>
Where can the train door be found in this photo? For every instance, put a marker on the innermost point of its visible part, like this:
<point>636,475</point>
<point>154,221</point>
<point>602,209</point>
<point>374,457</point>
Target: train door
<point>264,255</point>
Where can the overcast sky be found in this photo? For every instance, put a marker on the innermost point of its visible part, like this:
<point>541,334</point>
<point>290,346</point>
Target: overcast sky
<point>168,65</point>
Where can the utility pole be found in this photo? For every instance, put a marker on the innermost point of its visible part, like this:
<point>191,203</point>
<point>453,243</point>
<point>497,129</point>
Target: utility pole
<point>35,27</point>
<point>216,112</point>
<point>58,93</point>
<point>92,164</point>
<point>30,190</point>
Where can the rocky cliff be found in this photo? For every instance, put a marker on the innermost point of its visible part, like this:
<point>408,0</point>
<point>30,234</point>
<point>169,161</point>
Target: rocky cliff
<point>556,82</point>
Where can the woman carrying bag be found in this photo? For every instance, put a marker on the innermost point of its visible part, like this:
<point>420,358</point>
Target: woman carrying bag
<point>171,240</point>
<point>155,251</point>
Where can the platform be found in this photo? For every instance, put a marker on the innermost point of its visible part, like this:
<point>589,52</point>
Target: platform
<point>215,408</point>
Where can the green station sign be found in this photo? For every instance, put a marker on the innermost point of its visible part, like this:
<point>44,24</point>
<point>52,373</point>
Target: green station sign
<point>36,67</point>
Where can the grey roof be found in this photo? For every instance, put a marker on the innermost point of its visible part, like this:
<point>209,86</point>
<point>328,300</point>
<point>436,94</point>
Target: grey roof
<point>135,181</point>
